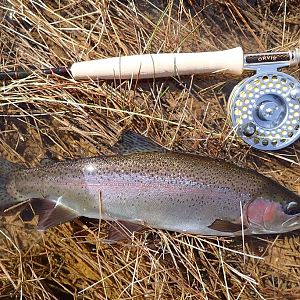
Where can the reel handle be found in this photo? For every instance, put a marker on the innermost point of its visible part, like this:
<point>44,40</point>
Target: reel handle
<point>160,65</point>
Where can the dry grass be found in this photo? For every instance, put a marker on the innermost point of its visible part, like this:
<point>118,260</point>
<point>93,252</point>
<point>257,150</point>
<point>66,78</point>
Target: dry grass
<point>60,118</point>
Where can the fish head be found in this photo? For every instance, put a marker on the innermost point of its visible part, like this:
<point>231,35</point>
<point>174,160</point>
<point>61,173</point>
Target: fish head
<point>274,213</point>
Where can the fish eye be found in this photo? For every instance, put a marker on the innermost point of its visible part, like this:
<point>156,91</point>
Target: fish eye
<point>292,208</point>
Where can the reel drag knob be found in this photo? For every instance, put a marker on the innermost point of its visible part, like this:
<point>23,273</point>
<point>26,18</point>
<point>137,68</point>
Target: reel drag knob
<point>265,110</point>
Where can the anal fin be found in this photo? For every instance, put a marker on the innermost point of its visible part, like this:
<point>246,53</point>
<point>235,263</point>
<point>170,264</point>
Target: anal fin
<point>122,230</point>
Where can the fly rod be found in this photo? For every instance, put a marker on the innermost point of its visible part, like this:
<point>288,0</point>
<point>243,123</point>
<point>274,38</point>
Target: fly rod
<point>264,108</point>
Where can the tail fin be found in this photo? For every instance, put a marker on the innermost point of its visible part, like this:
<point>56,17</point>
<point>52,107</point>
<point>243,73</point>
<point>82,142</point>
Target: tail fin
<point>5,199</point>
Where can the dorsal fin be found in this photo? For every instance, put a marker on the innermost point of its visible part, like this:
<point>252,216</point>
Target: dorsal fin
<point>47,161</point>
<point>131,142</point>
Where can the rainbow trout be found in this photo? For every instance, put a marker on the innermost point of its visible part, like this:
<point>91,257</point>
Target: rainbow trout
<point>148,186</point>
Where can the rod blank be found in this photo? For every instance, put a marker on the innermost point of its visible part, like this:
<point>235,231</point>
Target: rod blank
<point>21,73</point>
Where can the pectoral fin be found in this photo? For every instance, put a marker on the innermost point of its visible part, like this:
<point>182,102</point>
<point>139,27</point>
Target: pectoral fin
<point>50,212</point>
<point>122,230</point>
<point>225,226</point>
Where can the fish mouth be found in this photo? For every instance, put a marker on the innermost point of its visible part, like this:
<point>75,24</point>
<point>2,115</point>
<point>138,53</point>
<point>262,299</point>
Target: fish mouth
<point>292,222</point>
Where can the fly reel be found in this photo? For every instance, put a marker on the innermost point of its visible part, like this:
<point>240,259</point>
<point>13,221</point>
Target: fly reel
<point>265,108</point>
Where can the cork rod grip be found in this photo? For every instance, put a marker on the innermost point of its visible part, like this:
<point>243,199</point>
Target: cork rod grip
<point>160,65</point>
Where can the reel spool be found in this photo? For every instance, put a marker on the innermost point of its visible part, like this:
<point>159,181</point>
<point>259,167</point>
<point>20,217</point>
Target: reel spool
<point>265,109</point>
